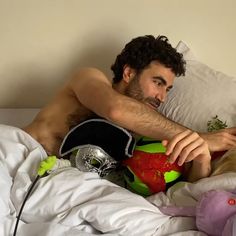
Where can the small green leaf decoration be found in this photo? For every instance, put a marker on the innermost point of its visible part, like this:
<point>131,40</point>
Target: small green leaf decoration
<point>215,124</point>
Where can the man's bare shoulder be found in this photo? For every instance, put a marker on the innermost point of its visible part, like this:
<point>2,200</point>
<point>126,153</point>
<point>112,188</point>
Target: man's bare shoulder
<point>86,82</point>
<point>88,74</point>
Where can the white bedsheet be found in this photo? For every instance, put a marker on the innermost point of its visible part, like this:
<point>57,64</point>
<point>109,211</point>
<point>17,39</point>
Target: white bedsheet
<point>70,202</point>
<point>67,201</point>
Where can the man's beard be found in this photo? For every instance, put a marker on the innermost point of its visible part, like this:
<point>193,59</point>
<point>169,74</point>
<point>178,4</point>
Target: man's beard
<point>134,91</point>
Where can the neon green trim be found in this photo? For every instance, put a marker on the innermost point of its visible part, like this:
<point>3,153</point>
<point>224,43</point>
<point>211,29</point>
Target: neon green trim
<point>149,139</point>
<point>137,185</point>
<point>74,153</point>
<point>46,165</point>
<point>171,176</point>
<point>152,148</point>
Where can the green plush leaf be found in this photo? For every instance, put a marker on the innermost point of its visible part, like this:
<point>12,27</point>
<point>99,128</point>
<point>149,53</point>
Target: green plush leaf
<point>215,124</point>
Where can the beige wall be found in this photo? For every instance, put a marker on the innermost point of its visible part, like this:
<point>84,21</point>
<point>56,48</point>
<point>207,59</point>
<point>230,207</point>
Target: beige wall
<point>42,40</point>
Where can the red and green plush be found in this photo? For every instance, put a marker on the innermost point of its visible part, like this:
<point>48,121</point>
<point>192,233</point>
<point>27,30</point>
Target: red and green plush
<point>148,170</point>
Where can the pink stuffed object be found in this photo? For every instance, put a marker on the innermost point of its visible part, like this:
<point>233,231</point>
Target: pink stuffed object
<point>215,213</point>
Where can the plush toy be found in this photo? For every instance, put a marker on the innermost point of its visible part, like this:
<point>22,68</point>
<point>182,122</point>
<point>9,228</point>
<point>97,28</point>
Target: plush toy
<point>148,170</point>
<point>215,213</point>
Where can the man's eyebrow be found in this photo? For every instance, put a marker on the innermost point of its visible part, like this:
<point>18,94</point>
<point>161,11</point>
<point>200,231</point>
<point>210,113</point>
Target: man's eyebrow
<point>163,81</point>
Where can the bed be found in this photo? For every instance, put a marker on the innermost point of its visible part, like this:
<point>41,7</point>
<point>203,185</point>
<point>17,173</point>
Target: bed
<point>69,202</point>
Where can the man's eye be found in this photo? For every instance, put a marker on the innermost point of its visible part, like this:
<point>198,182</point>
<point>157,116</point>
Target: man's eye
<point>158,83</point>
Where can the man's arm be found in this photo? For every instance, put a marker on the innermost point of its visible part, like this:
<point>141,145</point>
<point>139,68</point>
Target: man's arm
<point>95,92</point>
<point>220,140</point>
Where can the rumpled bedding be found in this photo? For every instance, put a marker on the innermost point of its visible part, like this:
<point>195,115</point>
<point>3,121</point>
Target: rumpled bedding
<point>70,202</point>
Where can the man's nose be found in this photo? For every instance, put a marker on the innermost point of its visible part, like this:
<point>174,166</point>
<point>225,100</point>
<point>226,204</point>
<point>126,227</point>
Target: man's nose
<point>161,95</point>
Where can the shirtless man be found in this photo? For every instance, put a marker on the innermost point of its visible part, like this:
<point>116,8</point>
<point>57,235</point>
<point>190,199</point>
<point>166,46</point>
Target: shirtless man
<point>144,72</point>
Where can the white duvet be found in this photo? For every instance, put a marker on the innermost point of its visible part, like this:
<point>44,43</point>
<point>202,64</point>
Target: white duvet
<point>70,202</point>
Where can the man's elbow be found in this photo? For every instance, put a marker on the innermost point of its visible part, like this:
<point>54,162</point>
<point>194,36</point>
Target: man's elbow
<point>115,113</point>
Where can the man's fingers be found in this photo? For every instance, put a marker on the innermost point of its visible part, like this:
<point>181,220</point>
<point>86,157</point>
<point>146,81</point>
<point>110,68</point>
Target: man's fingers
<point>172,143</point>
<point>191,151</point>
<point>184,144</point>
<point>164,142</point>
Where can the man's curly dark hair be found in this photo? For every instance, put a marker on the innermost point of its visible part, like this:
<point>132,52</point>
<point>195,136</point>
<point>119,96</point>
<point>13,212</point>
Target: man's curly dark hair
<point>141,51</point>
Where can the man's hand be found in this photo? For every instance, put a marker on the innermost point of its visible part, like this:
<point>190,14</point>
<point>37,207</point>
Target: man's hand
<point>190,149</point>
<point>187,146</point>
<point>220,140</point>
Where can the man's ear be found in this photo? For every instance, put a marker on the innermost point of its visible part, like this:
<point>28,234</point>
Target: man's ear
<point>128,73</point>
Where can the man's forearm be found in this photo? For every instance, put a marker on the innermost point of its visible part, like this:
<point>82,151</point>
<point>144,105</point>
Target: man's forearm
<point>97,95</point>
<point>143,120</point>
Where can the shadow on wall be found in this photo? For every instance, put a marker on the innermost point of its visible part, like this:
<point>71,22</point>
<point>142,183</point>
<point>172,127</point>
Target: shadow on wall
<point>27,86</point>
<point>33,84</point>
<point>99,52</point>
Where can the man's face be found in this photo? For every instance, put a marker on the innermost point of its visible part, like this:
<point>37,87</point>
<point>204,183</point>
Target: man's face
<point>151,85</point>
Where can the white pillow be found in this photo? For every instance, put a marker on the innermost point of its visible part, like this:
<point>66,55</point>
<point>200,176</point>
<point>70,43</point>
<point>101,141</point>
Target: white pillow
<point>200,95</point>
